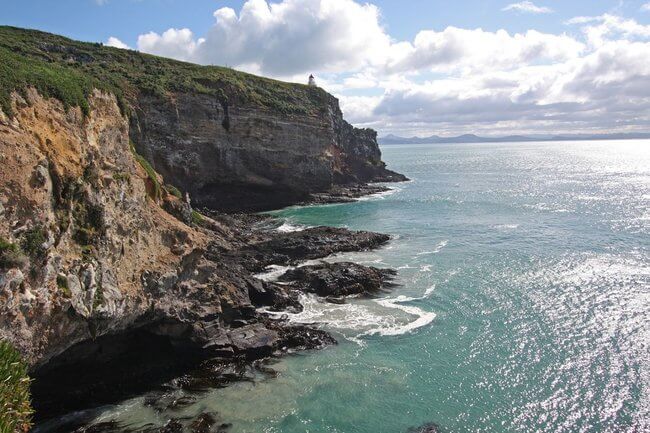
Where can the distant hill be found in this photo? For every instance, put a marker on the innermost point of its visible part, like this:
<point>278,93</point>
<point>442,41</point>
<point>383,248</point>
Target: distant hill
<point>471,138</point>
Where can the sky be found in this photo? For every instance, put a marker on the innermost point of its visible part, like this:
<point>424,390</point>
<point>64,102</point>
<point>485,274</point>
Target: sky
<point>405,67</point>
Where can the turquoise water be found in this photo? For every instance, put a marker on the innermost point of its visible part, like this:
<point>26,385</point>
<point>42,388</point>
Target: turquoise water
<point>523,305</point>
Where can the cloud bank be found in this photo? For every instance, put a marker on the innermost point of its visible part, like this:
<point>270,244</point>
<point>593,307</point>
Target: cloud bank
<point>452,80</point>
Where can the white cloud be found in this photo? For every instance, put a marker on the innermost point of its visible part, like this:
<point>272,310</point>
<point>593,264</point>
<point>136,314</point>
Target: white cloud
<point>607,27</point>
<point>646,7</point>
<point>115,42</point>
<point>451,80</point>
<point>527,7</point>
<point>176,43</point>
<point>456,48</point>
<point>294,36</point>
<point>607,89</point>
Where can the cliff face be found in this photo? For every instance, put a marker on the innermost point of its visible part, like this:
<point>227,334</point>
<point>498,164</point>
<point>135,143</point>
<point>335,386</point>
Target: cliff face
<point>75,202</point>
<point>232,140</point>
<point>241,157</point>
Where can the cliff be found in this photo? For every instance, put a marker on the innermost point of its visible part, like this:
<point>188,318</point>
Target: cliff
<point>103,262</point>
<point>231,140</point>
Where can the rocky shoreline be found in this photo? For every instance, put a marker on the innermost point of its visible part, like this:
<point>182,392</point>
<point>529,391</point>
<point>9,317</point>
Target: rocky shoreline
<point>113,280</point>
<point>217,356</point>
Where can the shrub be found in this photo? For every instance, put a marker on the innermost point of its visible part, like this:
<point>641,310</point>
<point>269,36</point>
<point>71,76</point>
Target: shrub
<point>62,284</point>
<point>33,240</point>
<point>89,221</point>
<point>10,255</point>
<point>197,218</point>
<point>15,407</point>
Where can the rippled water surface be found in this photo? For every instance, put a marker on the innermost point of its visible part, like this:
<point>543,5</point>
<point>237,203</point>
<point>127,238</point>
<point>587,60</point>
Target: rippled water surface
<point>524,303</point>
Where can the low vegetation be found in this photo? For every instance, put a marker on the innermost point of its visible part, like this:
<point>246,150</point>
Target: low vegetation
<point>33,241</point>
<point>62,284</point>
<point>89,222</point>
<point>11,256</point>
<point>15,407</point>
<point>69,70</point>
<point>197,218</point>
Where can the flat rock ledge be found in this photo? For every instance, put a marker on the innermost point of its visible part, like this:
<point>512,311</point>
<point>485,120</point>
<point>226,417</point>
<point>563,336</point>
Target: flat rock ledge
<point>309,244</point>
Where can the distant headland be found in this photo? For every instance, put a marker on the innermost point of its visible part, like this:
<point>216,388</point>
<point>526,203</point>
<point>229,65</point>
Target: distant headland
<point>471,138</point>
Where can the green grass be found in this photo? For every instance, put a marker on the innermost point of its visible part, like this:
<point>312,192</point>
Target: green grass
<point>15,407</point>
<point>197,218</point>
<point>68,71</point>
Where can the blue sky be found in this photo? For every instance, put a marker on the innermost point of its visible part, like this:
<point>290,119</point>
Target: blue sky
<point>93,20</point>
<point>407,67</point>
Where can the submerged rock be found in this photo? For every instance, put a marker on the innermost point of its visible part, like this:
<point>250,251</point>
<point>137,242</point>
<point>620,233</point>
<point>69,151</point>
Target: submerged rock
<point>426,428</point>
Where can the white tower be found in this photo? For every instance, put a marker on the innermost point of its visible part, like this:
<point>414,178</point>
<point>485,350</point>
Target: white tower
<point>312,80</point>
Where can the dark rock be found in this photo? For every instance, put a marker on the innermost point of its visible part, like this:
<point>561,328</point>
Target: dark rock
<point>311,243</point>
<point>254,341</point>
<point>426,428</point>
<point>203,423</point>
<point>339,279</point>
<point>215,373</point>
<point>278,297</point>
<point>345,193</point>
<point>172,426</point>
<point>298,337</point>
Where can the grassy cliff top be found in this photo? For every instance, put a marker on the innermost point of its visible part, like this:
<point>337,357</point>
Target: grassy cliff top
<point>68,70</point>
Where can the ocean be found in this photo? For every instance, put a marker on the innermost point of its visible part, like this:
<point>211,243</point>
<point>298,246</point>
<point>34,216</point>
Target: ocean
<point>522,305</point>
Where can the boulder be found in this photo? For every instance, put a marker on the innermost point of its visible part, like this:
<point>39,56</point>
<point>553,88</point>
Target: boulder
<point>254,341</point>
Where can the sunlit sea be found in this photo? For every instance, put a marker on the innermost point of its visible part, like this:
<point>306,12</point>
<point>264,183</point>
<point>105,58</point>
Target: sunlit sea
<point>523,302</point>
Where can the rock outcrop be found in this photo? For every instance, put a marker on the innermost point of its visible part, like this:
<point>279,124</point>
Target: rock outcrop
<point>339,279</point>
